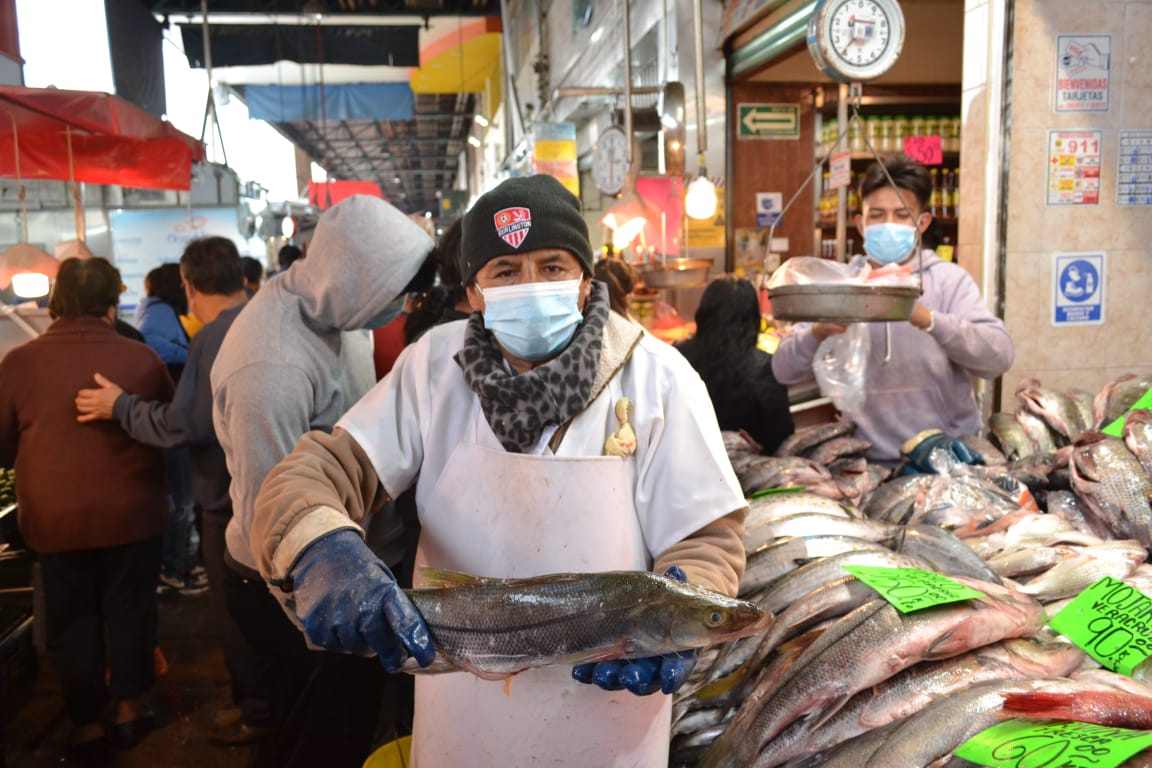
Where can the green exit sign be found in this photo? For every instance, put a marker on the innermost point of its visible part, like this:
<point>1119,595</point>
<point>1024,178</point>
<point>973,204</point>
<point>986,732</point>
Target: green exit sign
<point>768,121</point>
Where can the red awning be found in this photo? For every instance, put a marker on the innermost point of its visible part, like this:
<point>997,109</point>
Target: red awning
<point>112,141</point>
<point>325,194</point>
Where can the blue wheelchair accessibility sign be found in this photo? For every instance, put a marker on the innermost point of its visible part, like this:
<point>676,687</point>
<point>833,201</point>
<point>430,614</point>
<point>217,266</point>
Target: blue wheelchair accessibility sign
<point>1078,295</point>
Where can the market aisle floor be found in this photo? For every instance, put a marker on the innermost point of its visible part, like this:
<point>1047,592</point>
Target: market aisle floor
<point>186,700</point>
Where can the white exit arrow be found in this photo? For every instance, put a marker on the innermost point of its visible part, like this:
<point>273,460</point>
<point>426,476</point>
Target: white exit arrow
<point>755,121</point>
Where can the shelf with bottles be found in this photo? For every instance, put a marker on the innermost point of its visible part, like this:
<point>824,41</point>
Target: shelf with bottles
<point>943,200</point>
<point>886,133</point>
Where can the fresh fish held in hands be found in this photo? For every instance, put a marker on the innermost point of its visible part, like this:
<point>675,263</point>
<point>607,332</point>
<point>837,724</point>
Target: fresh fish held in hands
<point>498,627</point>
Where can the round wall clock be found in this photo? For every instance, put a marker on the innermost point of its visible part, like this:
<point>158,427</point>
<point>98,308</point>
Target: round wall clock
<point>854,41</point>
<point>610,161</point>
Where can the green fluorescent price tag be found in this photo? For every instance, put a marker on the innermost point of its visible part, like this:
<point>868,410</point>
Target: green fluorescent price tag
<point>1116,428</point>
<point>774,491</point>
<point>1053,744</point>
<point>1112,622</point>
<point>910,589</point>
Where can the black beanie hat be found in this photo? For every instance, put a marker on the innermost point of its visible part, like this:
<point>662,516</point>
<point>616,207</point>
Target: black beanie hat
<point>520,215</point>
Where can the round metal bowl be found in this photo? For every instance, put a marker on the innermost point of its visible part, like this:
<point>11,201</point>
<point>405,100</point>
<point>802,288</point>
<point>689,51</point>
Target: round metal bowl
<point>675,273</point>
<point>831,303</point>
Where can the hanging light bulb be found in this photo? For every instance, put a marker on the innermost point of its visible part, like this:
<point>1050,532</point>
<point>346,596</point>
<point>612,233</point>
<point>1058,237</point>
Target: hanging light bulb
<point>700,200</point>
<point>30,285</point>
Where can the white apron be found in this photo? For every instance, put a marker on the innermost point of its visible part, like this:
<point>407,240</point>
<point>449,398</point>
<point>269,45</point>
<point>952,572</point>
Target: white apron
<point>494,513</point>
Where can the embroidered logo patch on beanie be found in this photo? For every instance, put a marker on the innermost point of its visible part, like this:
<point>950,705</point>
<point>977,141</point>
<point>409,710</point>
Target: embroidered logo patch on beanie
<point>512,224</point>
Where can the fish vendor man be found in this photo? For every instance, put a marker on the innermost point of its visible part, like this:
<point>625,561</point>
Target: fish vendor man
<point>544,434</point>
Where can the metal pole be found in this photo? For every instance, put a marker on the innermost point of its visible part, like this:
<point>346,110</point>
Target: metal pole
<point>628,83</point>
<point>701,114</point>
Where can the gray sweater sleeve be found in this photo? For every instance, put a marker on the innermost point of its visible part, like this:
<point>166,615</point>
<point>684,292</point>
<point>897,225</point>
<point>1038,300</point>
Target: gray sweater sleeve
<point>968,332</point>
<point>186,421</point>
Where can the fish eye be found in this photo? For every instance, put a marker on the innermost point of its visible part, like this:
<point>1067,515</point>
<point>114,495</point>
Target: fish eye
<point>715,618</point>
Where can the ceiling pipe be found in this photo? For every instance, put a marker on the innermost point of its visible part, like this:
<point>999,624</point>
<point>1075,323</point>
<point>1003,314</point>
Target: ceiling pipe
<point>628,82</point>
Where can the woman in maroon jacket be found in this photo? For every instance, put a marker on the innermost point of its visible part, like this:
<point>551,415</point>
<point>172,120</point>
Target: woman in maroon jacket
<point>92,504</point>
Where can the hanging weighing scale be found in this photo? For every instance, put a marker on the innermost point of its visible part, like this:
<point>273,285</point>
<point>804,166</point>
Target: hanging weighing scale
<point>852,42</point>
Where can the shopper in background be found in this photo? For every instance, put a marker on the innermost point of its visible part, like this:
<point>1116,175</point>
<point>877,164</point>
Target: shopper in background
<point>253,274</point>
<point>158,318</point>
<point>92,506</point>
<point>724,351</point>
<point>446,300</point>
<point>918,376</point>
<point>278,375</point>
<point>620,278</point>
<point>213,282</point>
<point>288,255</point>
<point>544,434</point>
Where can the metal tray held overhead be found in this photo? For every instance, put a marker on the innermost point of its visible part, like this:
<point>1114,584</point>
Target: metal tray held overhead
<point>846,303</point>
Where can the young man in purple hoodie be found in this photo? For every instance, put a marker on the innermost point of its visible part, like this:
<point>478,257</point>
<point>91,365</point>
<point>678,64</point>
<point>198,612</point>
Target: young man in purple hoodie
<point>918,376</point>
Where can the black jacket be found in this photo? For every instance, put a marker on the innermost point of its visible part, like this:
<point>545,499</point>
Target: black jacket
<point>755,402</point>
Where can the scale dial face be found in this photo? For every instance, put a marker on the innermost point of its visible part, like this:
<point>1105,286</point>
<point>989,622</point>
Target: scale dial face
<point>610,161</point>
<point>856,40</point>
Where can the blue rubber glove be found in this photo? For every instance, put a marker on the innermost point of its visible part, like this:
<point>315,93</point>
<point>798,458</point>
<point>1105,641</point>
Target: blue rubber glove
<point>917,451</point>
<point>348,601</point>
<point>641,676</point>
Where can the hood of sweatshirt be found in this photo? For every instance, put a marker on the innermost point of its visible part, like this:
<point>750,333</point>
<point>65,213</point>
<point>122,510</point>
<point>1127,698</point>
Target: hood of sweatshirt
<point>363,253</point>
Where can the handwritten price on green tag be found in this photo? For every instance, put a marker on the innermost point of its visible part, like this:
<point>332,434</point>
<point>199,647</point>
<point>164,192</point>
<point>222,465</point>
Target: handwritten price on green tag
<point>911,589</point>
<point>1112,622</point>
<point>1027,743</point>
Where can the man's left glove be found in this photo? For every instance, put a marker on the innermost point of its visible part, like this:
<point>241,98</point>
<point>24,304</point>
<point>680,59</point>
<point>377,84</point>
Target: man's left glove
<point>349,602</point>
<point>641,676</point>
<point>917,451</point>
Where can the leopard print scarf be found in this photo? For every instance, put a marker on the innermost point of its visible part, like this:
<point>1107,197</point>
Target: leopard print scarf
<point>519,407</point>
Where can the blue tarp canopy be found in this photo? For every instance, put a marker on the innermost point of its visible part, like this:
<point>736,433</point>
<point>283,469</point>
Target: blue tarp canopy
<point>301,103</point>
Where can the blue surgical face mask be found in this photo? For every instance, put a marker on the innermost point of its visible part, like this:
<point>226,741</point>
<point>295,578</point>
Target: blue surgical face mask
<point>889,243</point>
<point>533,321</point>
<point>386,315</point>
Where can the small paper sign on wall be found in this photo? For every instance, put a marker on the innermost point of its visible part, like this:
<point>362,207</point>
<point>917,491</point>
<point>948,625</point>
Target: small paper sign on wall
<point>925,149</point>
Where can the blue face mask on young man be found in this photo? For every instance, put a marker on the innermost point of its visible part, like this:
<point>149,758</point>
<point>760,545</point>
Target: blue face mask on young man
<point>889,243</point>
<point>534,320</point>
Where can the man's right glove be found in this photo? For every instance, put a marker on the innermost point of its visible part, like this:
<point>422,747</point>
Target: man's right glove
<point>349,602</point>
<point>917,451</point>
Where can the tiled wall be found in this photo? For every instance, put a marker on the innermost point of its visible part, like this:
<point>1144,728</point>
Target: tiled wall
<point>1085,356</point>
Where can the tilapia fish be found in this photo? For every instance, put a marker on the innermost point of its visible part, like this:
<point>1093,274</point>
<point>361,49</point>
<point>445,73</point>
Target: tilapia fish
<point>498,627</point>
<point>1060,412</point>
<point>1112,483</point>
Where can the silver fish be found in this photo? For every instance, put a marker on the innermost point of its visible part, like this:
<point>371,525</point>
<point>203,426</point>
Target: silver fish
<point>910,691</point>
<point>830,450</point>
<point>1010,435</point>
<point>498,627</point>
<point>1118,396</point>
<point>894,501</point>
<point>819,524</point>
<point>1038,431</point>
<point>1138,436</point>
<point>862,649</point>
<point>775,560</point>
<point>1059,411</point>
<point>807,437</point>
<point>1111,481</point>
<point>1074,574</point>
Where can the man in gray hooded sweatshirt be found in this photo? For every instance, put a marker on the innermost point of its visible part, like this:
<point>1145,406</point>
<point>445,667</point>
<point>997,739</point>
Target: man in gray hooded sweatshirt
<point>278,375</point>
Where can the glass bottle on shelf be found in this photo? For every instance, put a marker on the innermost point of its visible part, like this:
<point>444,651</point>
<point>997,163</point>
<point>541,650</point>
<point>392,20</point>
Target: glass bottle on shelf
<point>935,198</point>
<point>932,128</point>
<point>956,192</point>
<point>916,126</point>
<point>874,131</point>
<point>856,136</point>
<point>887,132</point>
<point>899,132</point>
<point>831,133</point>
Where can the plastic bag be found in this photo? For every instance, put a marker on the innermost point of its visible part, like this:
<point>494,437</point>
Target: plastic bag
<point>808,270</point>
<point>839,366</point>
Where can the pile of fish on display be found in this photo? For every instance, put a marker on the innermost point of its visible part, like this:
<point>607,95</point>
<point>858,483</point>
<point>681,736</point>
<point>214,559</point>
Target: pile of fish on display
<point>842,678</point>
